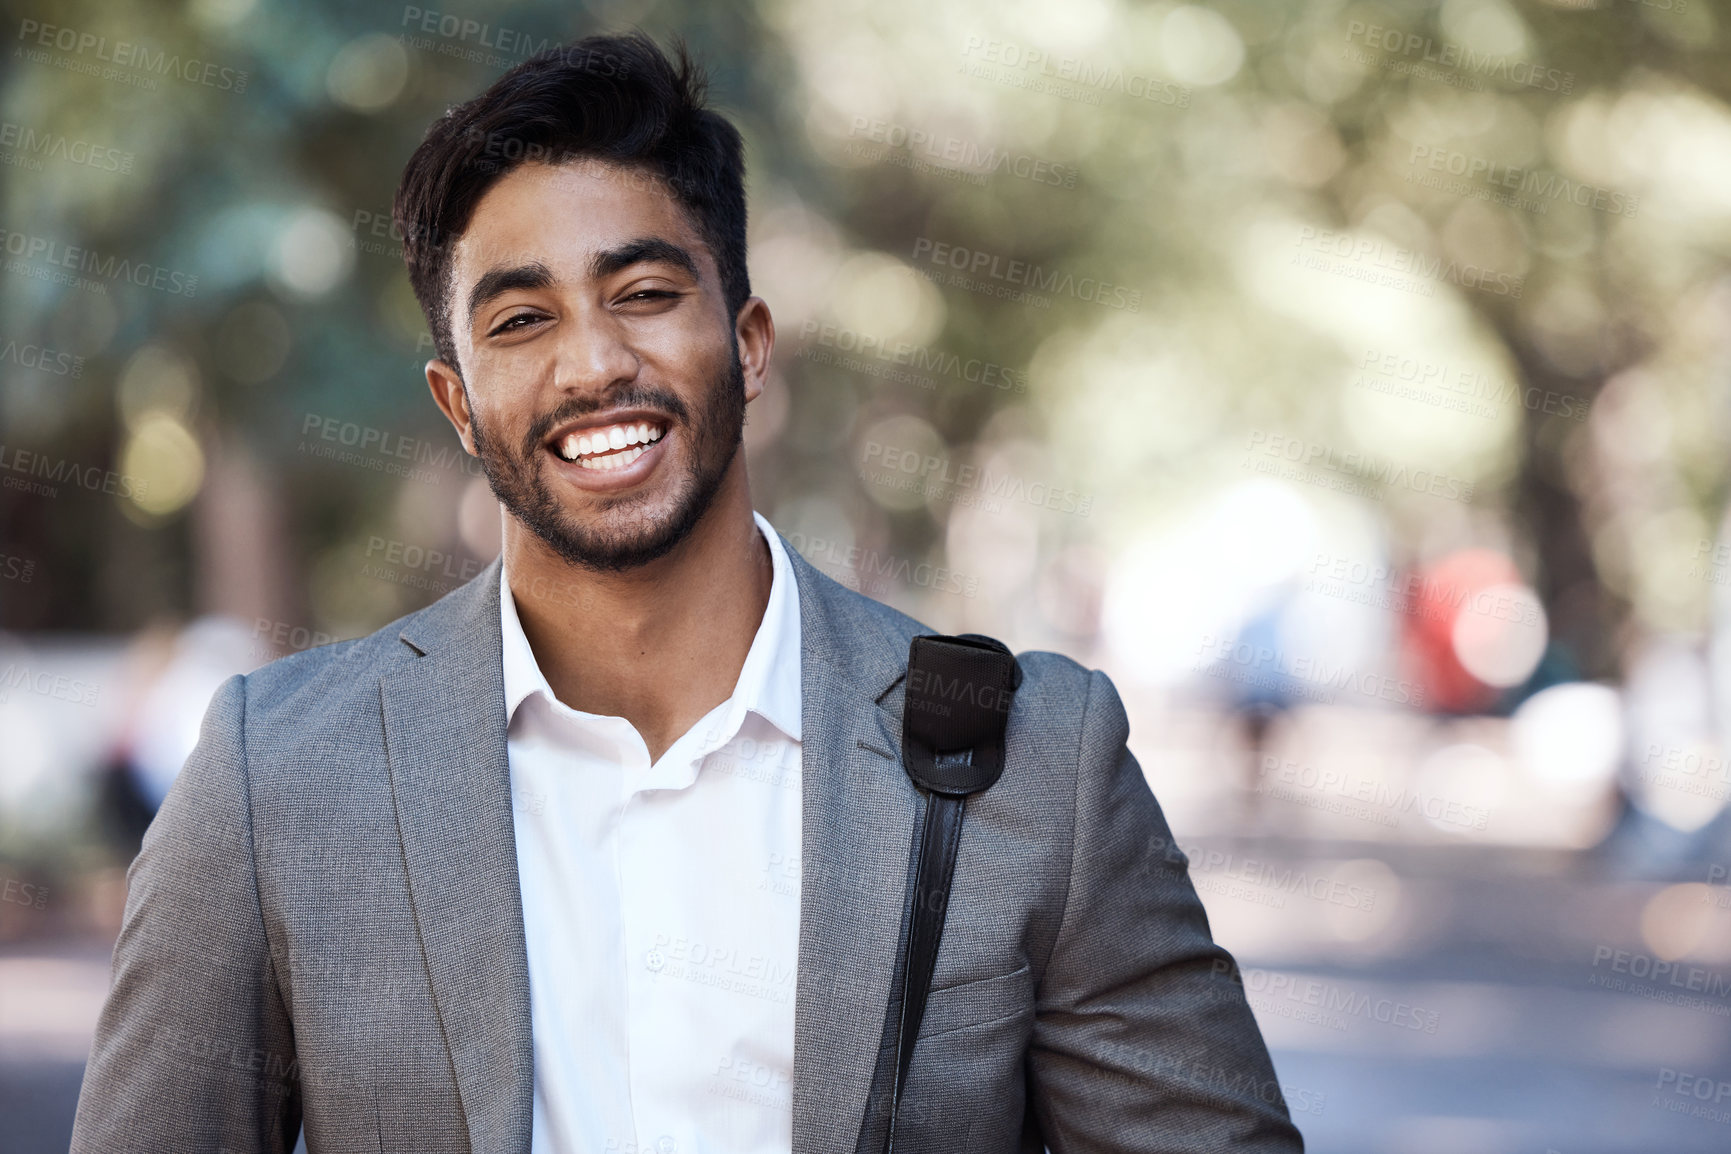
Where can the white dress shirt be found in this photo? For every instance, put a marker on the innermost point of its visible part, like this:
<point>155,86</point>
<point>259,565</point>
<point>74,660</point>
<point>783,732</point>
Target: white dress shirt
<point>661,905</point>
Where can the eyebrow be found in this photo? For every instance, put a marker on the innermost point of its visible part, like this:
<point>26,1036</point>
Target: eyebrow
<point>535,275</point>
<point>499,281</point>
<point>650,249</point>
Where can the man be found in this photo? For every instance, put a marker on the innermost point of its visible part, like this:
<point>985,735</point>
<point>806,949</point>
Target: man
<point>609,850</point>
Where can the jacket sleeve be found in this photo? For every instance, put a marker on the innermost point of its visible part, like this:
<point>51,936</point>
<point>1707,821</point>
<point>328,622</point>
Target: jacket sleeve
<point>1143,1040</point>
<point>194,1049</point>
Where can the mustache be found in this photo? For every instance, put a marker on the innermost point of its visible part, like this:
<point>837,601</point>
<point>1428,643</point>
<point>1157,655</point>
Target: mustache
<point>635,396</point>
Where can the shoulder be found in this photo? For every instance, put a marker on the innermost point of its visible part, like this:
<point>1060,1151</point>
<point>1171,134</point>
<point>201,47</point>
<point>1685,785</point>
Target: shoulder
<point>855,615</point>
<point>327,681</point>
<point>1055,678</point>
<point>1056,689</point>
<point>1069,710</point>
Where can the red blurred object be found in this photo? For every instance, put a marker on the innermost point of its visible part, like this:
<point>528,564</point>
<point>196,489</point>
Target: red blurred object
<point>1436,596</point>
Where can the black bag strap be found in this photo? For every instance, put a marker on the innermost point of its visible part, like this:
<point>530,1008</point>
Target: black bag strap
<point>954,713</point>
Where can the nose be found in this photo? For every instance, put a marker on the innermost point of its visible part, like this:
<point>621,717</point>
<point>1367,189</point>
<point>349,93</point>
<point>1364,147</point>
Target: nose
<point>594,355</point>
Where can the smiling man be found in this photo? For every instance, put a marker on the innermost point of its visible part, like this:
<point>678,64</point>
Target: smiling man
<point>614,360</point>
<point>611,849</point>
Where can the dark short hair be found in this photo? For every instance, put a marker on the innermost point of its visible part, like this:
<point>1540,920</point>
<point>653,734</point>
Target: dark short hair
<point>612,98</point>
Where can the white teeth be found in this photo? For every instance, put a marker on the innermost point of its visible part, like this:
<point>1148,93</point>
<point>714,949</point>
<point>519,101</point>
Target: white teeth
<point>612,448</point>
<point>611,461</point>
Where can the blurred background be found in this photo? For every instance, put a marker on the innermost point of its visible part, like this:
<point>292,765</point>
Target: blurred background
<point>1348,380</point>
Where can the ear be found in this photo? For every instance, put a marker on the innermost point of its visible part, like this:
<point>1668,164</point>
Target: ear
<point>755,331</point>
<point>453,401</point>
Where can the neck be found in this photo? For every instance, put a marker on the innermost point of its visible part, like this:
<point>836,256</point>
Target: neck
<point>660,645</point>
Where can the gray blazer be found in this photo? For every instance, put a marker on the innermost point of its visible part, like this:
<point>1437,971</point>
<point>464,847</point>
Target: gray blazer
<point>323,928</point>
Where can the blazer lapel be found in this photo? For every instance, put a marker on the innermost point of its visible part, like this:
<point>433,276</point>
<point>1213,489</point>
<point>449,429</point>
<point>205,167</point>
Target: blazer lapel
<point>444,716</point>
<point>858,812</point>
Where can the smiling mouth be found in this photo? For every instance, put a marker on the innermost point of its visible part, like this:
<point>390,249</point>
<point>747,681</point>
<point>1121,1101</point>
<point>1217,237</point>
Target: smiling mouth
<point>608,447</point>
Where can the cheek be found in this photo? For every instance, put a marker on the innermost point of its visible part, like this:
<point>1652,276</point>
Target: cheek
<point>689,356</point>
<point>510,374</point>
<point>498,420</point>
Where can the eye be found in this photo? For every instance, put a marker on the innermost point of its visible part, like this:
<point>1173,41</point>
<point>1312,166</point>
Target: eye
<point>649,294</point>
<point>510,323</point>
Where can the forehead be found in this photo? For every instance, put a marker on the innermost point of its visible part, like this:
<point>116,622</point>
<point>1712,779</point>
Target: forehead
<point>561,215</point>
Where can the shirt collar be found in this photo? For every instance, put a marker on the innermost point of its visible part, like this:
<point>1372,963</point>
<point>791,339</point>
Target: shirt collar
<point>769,681</point>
